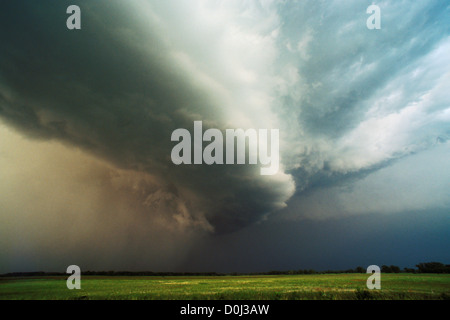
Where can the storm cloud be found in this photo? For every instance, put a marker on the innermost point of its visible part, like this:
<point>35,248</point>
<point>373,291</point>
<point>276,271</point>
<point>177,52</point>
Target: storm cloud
<point>120,87</point>
<point>355,108</point>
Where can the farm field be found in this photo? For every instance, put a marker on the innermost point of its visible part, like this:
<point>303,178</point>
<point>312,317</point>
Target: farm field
<point>280,287</point>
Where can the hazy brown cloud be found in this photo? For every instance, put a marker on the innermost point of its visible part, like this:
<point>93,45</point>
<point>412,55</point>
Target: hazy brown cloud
<point>63,205</point>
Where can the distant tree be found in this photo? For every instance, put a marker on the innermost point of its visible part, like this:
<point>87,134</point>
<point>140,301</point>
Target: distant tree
<point>386,269</point>
<point>310,271</point>
<point>433,267</point>
<point>409,270</point>
<point>360,270</point>
<point>275,272</point>
<point>395,269</point>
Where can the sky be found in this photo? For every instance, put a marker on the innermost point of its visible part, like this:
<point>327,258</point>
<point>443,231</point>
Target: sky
<point>86,118</point>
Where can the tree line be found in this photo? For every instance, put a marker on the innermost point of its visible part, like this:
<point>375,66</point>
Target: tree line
<point>424,267</point>
<point>427,267</point>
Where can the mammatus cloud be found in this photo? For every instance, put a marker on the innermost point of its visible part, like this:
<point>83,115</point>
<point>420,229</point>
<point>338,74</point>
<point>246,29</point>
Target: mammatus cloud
<point>347,100</point>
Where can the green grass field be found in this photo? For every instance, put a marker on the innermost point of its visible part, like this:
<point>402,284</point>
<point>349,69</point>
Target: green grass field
<point>296,287</point>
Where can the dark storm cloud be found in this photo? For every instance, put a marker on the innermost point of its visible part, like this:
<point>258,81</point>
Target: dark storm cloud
<point>115,89</point>
<point>348,100</point>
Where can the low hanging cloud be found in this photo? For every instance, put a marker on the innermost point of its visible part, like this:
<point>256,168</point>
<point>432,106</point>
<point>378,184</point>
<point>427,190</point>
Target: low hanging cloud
<point>419,182</point>
<point>347,100</point>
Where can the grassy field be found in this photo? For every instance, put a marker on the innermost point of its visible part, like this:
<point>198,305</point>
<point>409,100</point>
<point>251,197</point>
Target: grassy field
<point>296,287</point>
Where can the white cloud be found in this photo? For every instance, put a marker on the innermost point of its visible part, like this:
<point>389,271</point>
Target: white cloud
<point>416,183</point>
